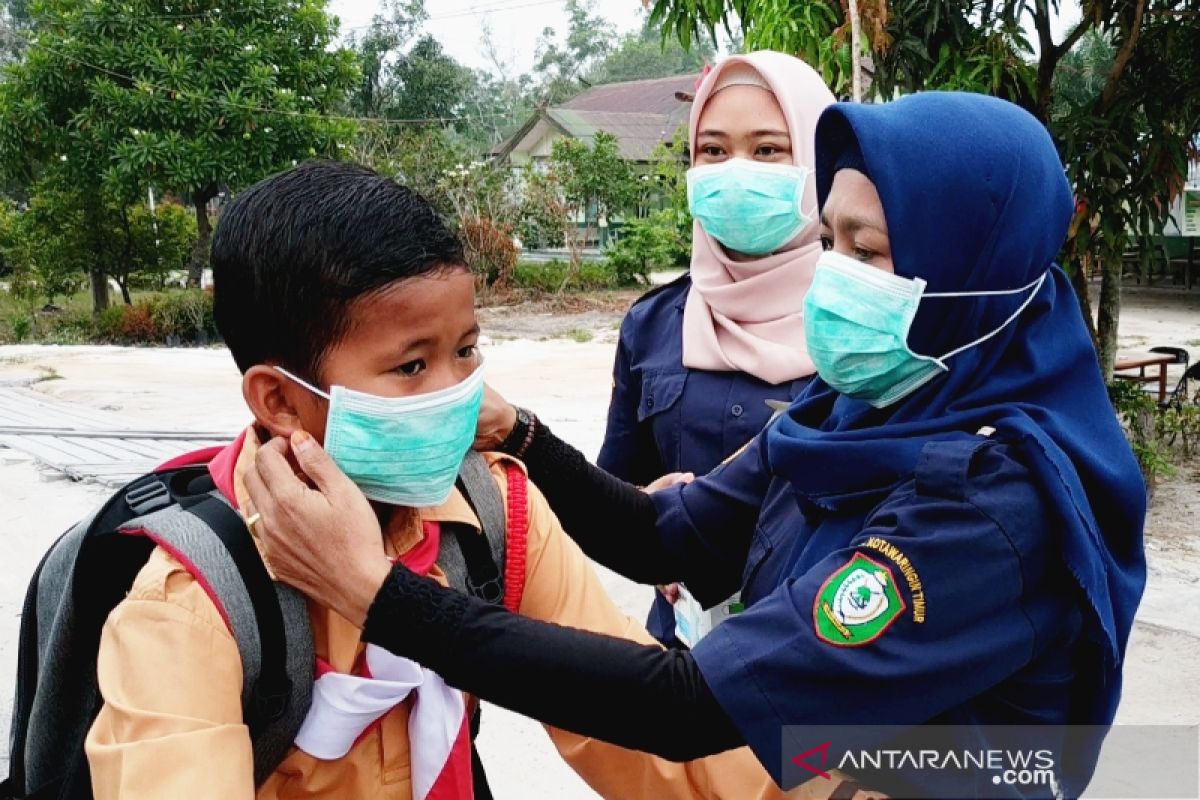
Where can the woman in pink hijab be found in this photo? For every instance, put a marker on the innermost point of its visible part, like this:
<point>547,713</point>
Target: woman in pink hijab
<point>699,357</point>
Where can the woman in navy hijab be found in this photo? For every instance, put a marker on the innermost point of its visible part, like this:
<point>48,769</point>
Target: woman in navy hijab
<point>945,529</point>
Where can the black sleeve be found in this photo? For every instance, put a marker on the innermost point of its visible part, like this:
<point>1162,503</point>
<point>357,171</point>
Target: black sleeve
<point>699,533</point>
<point>613,522</point>
<point>594,685</point>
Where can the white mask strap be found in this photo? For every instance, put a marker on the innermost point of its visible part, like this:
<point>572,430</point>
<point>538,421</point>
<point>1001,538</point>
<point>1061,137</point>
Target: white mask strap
<point>1036,286</point>
<point>997,292</point>
<point>303,383</point>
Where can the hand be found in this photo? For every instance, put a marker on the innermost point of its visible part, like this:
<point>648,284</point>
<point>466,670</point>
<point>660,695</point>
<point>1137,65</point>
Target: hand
<point>667,481</point>
<point>669,590</point>
<point>326,542</point>
<point>497,418</point>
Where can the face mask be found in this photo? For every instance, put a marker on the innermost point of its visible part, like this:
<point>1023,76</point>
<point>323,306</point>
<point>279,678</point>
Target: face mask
<point>856,323</point>
<point>748,206</point>
<point>404,451</point>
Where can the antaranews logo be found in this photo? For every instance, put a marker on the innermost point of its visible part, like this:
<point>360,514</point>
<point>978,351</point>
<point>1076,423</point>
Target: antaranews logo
<point>983,761</point>
<point>1008,767</point>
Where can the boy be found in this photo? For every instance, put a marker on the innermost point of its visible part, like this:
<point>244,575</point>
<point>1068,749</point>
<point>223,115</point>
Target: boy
<point>329,275</point>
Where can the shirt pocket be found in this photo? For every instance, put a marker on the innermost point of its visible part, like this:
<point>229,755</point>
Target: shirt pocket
<point>660,393</point>
<point>761,548</point>
<point>659,408</point>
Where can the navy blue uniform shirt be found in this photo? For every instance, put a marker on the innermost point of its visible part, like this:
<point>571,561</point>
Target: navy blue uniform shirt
<point>971,617</point>
<point>665,417</point>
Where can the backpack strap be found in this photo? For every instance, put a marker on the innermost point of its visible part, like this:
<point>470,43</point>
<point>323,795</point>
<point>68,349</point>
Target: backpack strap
<point>518,536</point>
<point>479,487</point>
<point>468,559</point>
<point>471,565</point>
<point>268,621</point>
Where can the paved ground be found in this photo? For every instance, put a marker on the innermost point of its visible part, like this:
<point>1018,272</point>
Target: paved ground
<point>568,383</point>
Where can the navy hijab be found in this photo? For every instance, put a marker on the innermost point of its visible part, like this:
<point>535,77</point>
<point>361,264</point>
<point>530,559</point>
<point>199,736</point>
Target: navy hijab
<point>976,199</point>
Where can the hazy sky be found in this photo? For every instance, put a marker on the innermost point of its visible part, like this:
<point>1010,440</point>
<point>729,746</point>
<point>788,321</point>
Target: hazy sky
<point>517,24</point>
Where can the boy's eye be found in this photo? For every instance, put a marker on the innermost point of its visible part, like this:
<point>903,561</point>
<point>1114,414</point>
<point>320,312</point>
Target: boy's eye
<point>412,368</point>
<point>470,351</point>
<point>826,243</point>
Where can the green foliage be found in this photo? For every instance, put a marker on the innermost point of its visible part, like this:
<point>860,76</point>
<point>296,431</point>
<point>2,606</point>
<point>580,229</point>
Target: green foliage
<point>161,244</point>
<point>555,276</point>
<point>593,179</point>
<point>1138,413</point>
<point>376,47</point>
<point>667,180</point>
<point>22,324</point>
<point>50,251</point>
<point>647,244</point>
<point>544,219</point>
<point>646,54</point>
<point>166,318</point>
<point>44,247</point>
<point>560,65</point>
<point>1178,425</point>
<point>429,84</point>
<point>118,96</point>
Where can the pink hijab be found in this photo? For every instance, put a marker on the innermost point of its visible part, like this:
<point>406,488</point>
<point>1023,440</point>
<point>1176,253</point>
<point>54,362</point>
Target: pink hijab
<point>748,316</point>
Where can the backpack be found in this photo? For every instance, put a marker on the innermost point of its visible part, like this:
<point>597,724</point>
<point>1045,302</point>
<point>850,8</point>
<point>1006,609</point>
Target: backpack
<point>91,567</point>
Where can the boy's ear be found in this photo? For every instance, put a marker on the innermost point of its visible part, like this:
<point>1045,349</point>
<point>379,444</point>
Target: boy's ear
<point>278,404</point>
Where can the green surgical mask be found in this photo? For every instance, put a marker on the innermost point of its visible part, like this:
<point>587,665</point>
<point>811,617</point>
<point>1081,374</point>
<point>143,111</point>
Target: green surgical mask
<point>856,324</point>
<point>404,451</point>
<point>751,207</point>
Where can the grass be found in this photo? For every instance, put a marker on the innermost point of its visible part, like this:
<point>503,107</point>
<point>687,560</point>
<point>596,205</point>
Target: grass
<point>580,335</point>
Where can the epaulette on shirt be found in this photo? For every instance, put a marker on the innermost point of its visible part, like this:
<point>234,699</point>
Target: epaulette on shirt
<point>686,277</point>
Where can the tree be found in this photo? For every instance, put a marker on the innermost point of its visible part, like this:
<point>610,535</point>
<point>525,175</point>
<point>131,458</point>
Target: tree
<point>389,32</point>
<point>121,95</point>
<point>428,84</point>
<point>587,183</point>
<point>43,245</point>
<point>1125,132</point>
<point>646,54</point>
<point>560,66</point>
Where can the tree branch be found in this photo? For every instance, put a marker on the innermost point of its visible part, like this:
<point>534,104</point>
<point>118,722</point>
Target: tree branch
<point>1123,57</point>
<point>1086,23</point>
<point>1047,59</point>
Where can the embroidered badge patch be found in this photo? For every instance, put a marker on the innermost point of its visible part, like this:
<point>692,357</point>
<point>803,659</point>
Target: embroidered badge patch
<point>857,603</point>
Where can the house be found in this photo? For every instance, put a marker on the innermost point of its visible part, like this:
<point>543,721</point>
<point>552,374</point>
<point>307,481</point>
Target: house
<point>640,114</point>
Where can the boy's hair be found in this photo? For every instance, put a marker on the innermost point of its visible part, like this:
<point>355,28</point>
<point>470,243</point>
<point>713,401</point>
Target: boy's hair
<point>292,254</point>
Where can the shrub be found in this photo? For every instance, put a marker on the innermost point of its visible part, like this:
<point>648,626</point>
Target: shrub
<point>21,327</point>
<point>1139,413</point>
<point>490,249</point>
<point>646,245</point>
<point>549,277</point>
<point>107,325</point>
<point>68,327</point>
<point>137,325</point>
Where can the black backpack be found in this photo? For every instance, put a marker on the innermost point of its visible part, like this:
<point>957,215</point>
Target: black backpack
<point>91,567</point>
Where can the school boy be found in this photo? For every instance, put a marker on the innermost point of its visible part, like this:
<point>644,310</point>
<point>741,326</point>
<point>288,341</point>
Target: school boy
<point>329,275</point>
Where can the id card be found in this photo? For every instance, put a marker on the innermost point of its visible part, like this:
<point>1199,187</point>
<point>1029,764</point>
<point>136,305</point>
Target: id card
<point>693,623</point>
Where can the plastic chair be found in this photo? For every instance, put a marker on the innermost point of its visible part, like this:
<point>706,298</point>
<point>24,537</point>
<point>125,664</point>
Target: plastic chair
<point>1179,395</point>
<point>1181,355</point>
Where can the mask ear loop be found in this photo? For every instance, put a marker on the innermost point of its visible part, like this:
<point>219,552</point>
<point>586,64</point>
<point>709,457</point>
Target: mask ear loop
<point>1035,285</point>
<point>303,383</point>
